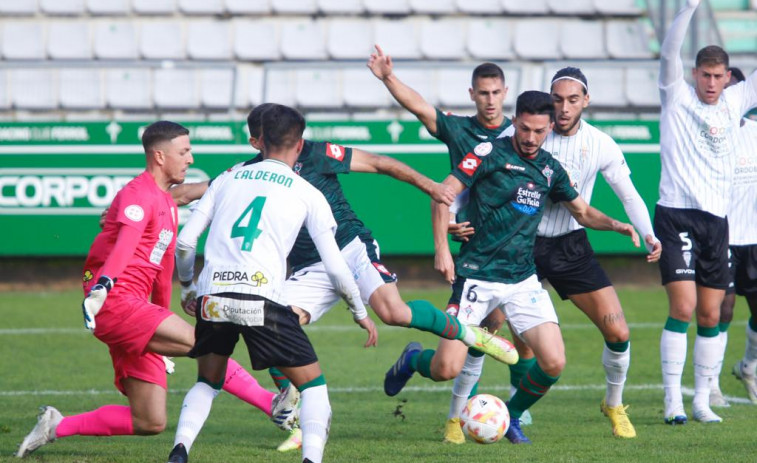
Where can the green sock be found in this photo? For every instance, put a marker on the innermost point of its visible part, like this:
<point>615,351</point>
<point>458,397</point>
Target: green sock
<point>707,331</point>
<point>676,326</point>
<point>723,326</point>
<point>618,346</point>
<point>474,353</point>
<point>519,370</point>
<point>422,363</point>
<point>281,381</point>
<point>426,317</point>
<point>532,387</point>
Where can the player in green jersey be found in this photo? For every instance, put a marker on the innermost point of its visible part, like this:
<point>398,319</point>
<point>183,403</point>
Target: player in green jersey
<point>509,180</point>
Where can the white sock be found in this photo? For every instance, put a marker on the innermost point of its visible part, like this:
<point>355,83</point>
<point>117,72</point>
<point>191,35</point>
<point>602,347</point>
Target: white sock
<point>749,363</point>
<point>513,390</point>
<point>722,344</point>
<point>616,369</point>
<point>194,412</point>
<point>706,358</point>
<point>464,383</point>
<point>315,420</point>
<point>673,355</point>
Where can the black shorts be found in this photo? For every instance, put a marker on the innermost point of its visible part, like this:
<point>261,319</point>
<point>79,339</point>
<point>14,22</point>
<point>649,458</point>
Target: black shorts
<point>569,264</point>
<point>279,342</point>
<point>743,270</point>
<point>694,246</point>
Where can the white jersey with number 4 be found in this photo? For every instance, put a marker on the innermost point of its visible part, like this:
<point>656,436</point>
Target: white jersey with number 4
<point>256,212</point>
<point>742,215</point>
<point>696,146</point>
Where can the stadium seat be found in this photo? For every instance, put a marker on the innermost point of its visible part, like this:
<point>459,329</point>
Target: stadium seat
<point>340,6</point>
<point>23,40</point>
<point>279,86</point>
<point>420,79</point>
<point>641,86</point>
<point>301,7</point>
<point>582,39</point>
<point>154,7</point>
<point>175,88</point>
<point>201,7</point>
<point>303,39</point>
<point>606,86</point>
<point>361,89</point>
<point>209,40</point>
<point>115,40</point>
<point>62,7</point>
<point>442,7</point>
<point>108,7</point>
<point>617,7</point>
<point>5,101</point>
<point>479,6</point>
<point>512,82</point>
<point>379,7</point>
<point>128,89</point>
<point>490,39</point>
<point>18,7</point>
<point>537,39</point>
<point>250,87</point>
<point>257,7</point>
<point>318,88</point>
<point>754,4</point>
<point>349,38</point>
<point>69,40</point>
<point>627,39</point>
<point>398,38</point>
<point>256,40</point>
<point>443,39</point>
<point>216,86</point>
<point>572,7</point>
<point>525,7</point>
<point>33,88</point>
<point>80,89</point>
<point>452,86</point>
<point>161,40</point>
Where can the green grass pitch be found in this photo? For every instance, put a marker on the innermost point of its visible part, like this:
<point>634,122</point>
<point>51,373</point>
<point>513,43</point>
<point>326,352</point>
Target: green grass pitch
<point>48,358</point>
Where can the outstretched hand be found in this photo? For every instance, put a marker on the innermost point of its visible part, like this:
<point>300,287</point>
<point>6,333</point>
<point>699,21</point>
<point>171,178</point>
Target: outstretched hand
<point>445,265</point>
<point>443,193</point>
<point>380,64</point>
<point>368,325</point>
<point>628,230</point>
<point>656,252</point>
<point>461,231</point>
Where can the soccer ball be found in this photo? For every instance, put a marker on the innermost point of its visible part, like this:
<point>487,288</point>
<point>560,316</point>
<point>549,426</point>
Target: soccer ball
<point>485,419</point>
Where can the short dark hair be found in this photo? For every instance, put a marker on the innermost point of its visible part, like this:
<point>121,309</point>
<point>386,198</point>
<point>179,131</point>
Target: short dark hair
<point>535,102</point>
<point>571,73</point>
<point>282,127</point>
<point>712,55</point>
<point>487,70</point>
<point>737,73</point>
<point>255,118</point>
<point>161,131</point>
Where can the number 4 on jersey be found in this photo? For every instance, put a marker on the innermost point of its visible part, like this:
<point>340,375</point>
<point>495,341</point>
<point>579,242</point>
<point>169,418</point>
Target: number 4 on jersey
<point>250,231</point>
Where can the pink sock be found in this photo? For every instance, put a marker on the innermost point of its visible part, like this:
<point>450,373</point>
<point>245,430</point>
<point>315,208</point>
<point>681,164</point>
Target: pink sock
<point>110,420</point>
<point>240,383</point>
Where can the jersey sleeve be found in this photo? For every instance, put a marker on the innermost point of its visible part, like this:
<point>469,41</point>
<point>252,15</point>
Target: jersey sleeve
<point>744,94</point>
<point>320,219</point>
<point>471,168</point>
<point>134,209</point>
<point>561,189</point>
<point>443,125</point>
<point>614,166</point>
<point>330,158</point>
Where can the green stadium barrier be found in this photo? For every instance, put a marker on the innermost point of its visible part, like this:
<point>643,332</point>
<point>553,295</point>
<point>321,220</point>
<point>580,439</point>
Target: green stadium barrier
<point>56,178</point>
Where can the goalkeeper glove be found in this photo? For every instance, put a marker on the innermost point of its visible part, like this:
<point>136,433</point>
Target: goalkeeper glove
<point>95,300</point>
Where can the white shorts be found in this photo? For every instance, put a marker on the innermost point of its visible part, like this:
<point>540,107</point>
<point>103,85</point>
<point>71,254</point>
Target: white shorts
<point>311,290</point>
<point>526,304</point>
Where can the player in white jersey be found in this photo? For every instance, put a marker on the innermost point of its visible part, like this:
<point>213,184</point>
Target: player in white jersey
<point>697,127</point>
<point>742,234</point>
<point>256,213</point>
<point>562,251</point>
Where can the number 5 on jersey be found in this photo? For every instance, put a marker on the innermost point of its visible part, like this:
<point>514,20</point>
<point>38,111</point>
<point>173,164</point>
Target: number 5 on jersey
<point>246,227</point>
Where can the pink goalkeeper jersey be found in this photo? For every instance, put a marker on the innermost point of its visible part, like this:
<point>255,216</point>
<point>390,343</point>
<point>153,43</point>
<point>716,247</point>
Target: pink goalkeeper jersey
<point>141,204</point>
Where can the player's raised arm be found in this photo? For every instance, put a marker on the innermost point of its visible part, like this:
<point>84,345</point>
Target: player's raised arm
<point>593,218</point>
<point>187,192</point>
<point>383,68</point>
<point>671,66</point>
<point>638,213</point>
<point>363,161</point>
<point>443,261</point>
